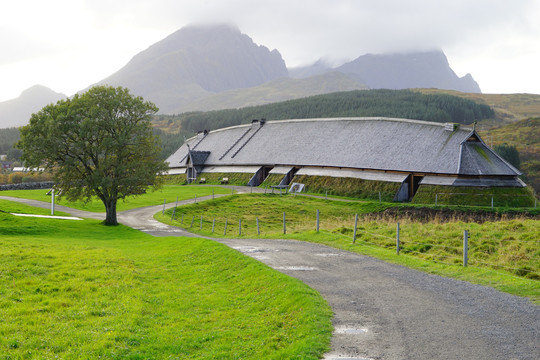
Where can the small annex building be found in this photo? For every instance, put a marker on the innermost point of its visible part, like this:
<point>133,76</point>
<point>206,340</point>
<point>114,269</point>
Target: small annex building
<point>410,153</point>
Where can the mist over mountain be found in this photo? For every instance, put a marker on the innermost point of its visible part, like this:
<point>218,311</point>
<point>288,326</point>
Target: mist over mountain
<point>275,91</point>
<point>216,67</point>
<point>197,61</point>
<point>17,112</point>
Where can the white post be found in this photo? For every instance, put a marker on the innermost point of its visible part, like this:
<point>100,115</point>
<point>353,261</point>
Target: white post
<point>491,202</point>
<point>380,197</point>
<point>436,199</point>
<point>52,202</point>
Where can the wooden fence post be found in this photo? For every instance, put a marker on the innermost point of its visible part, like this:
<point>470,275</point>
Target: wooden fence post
<point>355,227</point>
<point>192,220</point>
<point>397,239</point>
<point>465,247</point>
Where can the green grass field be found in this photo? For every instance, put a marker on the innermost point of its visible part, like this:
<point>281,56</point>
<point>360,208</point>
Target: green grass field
<point>502,254</point>
<point>167,192</point>
<point>79,289</point>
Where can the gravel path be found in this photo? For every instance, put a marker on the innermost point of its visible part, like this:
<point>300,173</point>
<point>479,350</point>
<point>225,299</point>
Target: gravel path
<point>386,311</point>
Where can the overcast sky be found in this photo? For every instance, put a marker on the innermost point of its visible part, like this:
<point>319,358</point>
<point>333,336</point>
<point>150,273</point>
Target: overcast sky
<point>69,44</point>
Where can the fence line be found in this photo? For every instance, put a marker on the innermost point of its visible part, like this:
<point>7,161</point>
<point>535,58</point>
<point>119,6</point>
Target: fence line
<point>469,253</point>
<point>492,196</point>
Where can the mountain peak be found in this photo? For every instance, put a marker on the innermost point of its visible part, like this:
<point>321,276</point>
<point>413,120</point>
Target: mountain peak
<point>428,69</point>
<point>40,91</point>
<point>17,112</point>
<point>196,61</point>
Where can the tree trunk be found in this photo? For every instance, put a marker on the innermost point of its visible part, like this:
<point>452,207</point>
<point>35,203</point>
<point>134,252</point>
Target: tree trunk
<point>110,209</point>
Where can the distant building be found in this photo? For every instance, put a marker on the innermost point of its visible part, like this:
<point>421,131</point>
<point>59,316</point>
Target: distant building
<point>408,152</point>
<point>25,169</point>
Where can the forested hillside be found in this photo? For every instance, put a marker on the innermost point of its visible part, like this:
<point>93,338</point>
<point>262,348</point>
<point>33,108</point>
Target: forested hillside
<point>388,103</point>
<point>525,136</point>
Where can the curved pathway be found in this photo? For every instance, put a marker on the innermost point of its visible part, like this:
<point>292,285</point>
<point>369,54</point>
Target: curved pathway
<point>386,311</point>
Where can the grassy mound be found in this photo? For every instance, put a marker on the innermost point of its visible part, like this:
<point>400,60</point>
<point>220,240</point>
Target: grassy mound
<point>449,195</point>
<point>363,189</point>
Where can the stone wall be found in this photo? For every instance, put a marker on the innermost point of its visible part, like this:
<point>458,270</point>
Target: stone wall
<point>28,186</point>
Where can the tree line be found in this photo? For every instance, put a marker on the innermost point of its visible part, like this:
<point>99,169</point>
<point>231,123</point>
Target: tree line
<point>359,103</point>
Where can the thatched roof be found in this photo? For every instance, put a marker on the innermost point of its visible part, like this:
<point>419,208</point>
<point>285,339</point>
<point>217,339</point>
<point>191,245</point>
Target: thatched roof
<point>358,143</point>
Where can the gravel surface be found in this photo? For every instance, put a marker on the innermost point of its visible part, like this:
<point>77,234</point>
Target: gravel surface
<point>386,311</point>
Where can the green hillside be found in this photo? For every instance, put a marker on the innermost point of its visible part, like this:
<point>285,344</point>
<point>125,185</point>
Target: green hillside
<point>508,107</point>
<point>525,135</point>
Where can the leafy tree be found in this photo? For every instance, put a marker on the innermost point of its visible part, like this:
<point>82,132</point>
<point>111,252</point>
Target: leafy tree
<point>509,153</point>
<point>99,144</point>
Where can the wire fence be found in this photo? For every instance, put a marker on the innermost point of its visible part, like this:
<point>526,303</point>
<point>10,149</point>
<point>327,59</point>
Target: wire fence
<point>486,200</point>
<point>463,250</point>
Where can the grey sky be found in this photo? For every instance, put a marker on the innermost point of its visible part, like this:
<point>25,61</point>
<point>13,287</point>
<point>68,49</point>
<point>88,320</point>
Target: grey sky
<point>70,44</point>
